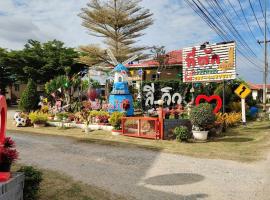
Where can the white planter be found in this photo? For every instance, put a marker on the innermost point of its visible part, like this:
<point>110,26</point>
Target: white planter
<point>39,125</point>
<point>200,135</point>
<point>116,132</point>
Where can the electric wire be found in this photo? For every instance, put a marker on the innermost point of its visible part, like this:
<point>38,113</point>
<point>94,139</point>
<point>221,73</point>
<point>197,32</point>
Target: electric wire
<point>263,15</point>
<point>203,8</point>
<point>219,31</point>
<point>238,17</point>
<point>255,17</point>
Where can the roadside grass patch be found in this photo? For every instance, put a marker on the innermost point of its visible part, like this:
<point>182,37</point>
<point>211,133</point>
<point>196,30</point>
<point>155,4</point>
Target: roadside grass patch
<point>59,186</point>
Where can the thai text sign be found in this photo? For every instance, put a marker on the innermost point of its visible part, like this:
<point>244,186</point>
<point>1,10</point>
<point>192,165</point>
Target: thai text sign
<point>167,97</point>
<point>209,62</point>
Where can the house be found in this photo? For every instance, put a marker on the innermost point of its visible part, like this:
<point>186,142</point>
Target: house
<point>257,91</point>
<point>15,91</point>
<point>151,69</point>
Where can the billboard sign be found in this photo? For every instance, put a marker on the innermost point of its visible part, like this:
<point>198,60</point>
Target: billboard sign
<point>209,62</point>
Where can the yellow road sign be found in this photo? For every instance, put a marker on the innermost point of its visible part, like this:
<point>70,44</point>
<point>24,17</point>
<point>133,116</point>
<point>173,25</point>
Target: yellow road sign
<point>242,91</point>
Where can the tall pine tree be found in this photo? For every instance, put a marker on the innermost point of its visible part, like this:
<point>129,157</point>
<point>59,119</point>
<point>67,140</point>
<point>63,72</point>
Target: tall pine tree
<point>120,23</point>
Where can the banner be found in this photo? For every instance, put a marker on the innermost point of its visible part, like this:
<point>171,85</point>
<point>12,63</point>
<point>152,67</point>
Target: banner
<point>209,62</point>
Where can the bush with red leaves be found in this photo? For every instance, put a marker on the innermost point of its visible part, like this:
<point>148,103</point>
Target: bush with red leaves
<point>8,153</point>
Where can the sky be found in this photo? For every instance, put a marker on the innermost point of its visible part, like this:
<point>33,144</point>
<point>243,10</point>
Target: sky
<point>175,26</point>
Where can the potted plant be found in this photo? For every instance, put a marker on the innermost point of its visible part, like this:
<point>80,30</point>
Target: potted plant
<point>8,155</point>
<point>181,133</point>
<point>115,121</point>
<point>39,119</point>
<point>201,117</point>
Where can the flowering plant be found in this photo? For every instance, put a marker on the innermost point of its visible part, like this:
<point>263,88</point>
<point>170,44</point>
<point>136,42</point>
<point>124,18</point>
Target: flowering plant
<point>8,154</point>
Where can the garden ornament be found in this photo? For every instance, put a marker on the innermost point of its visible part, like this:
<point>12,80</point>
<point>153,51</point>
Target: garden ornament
<point>120,94</point>
<point>209,99</point>
<point>19,120</point>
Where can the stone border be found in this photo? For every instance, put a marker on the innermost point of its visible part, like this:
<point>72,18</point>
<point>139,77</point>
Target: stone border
<point>81,126</point>
<point>13,188</point>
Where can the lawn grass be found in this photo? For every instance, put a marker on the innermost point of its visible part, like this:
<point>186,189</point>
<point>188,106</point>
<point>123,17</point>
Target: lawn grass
<point>244,143</point>
<point>57,186</point>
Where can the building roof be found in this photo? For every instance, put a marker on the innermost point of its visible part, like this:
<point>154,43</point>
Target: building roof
<point>120,67</point>
<point>254,86</point>
<point>175,58</point>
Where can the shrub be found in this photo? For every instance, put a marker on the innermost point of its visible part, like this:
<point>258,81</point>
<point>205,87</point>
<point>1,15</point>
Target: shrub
<point>229,119</point>
<point>62,115</point>
<point>115,120</point>
<point>181,133</point>
<point>38,117</point>
<point>33,178</point>
<point>30,98</point>
<point>202,116</point>
<point>235,106</point>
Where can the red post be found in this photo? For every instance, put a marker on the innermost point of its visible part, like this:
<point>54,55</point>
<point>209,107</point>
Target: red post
<point>123,126</point>
<point>160,118</point>
<point>3,112</point>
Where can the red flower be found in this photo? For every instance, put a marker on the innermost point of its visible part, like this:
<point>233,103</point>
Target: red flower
<point>8,143</point>
<point>125,104</point>
<point>8,155</point>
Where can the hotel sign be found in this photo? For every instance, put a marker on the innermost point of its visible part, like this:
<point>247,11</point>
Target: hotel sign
<point>209,62</point>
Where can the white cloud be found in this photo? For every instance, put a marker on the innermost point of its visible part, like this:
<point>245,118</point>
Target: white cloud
<point>175,25</point>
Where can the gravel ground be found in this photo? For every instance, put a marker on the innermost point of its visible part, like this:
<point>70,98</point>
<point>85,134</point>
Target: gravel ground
<point>143,174</point>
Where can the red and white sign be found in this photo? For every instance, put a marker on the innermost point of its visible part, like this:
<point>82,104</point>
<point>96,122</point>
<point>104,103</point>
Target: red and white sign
<point>209,62</point>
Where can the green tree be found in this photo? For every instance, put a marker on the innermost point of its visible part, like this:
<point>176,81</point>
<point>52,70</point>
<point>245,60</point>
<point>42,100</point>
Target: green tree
<point>6,77</point>
<point>43,61</point>
<point>30,97</point>
<point>120,23</point>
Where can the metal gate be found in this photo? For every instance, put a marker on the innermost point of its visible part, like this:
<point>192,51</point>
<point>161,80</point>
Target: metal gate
<point>143,127</point>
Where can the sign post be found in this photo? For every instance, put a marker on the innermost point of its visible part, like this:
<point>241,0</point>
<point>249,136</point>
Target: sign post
<point>243,91</point>
<point>243,105</point>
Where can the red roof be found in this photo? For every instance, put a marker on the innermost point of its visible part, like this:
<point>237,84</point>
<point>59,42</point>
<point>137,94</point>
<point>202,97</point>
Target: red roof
<point>254,86</point>
<point>175,58</point>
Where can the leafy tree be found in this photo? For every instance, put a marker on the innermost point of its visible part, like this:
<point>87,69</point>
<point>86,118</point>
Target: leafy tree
<point>120,23</point>
<point>30,98</point>
<point>6,77</point>
<point>42,62</point>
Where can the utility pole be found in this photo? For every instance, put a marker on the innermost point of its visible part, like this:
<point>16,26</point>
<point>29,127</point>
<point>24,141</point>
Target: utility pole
<point>265,74</point>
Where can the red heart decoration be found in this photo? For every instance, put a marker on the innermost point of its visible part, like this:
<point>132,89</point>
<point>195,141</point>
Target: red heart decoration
<point>209,99</point>
<point>3,118</point>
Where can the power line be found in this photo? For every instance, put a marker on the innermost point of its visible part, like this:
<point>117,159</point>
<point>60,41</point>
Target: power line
<point>233,29</point>
<point>263,14</point>
<point>255,17</point>
<point>225,24</point>
<point>238,17</point>
<point>211,21</point>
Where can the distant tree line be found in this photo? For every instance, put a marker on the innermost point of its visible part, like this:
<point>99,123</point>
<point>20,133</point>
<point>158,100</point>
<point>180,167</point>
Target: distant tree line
<point>38,61</point>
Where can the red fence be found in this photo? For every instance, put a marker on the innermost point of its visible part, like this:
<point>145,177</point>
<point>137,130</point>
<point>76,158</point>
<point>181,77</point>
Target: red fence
<point>143,127</point>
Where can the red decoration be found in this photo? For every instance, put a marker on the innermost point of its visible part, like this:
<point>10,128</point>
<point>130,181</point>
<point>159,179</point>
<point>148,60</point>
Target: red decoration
<point>92,94</point>
<point>209,99</point>
<point>3,117</point>
<point>125,104</point>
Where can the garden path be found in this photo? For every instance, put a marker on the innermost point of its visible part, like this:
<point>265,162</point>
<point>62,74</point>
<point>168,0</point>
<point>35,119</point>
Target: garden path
<point>144,174</point>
